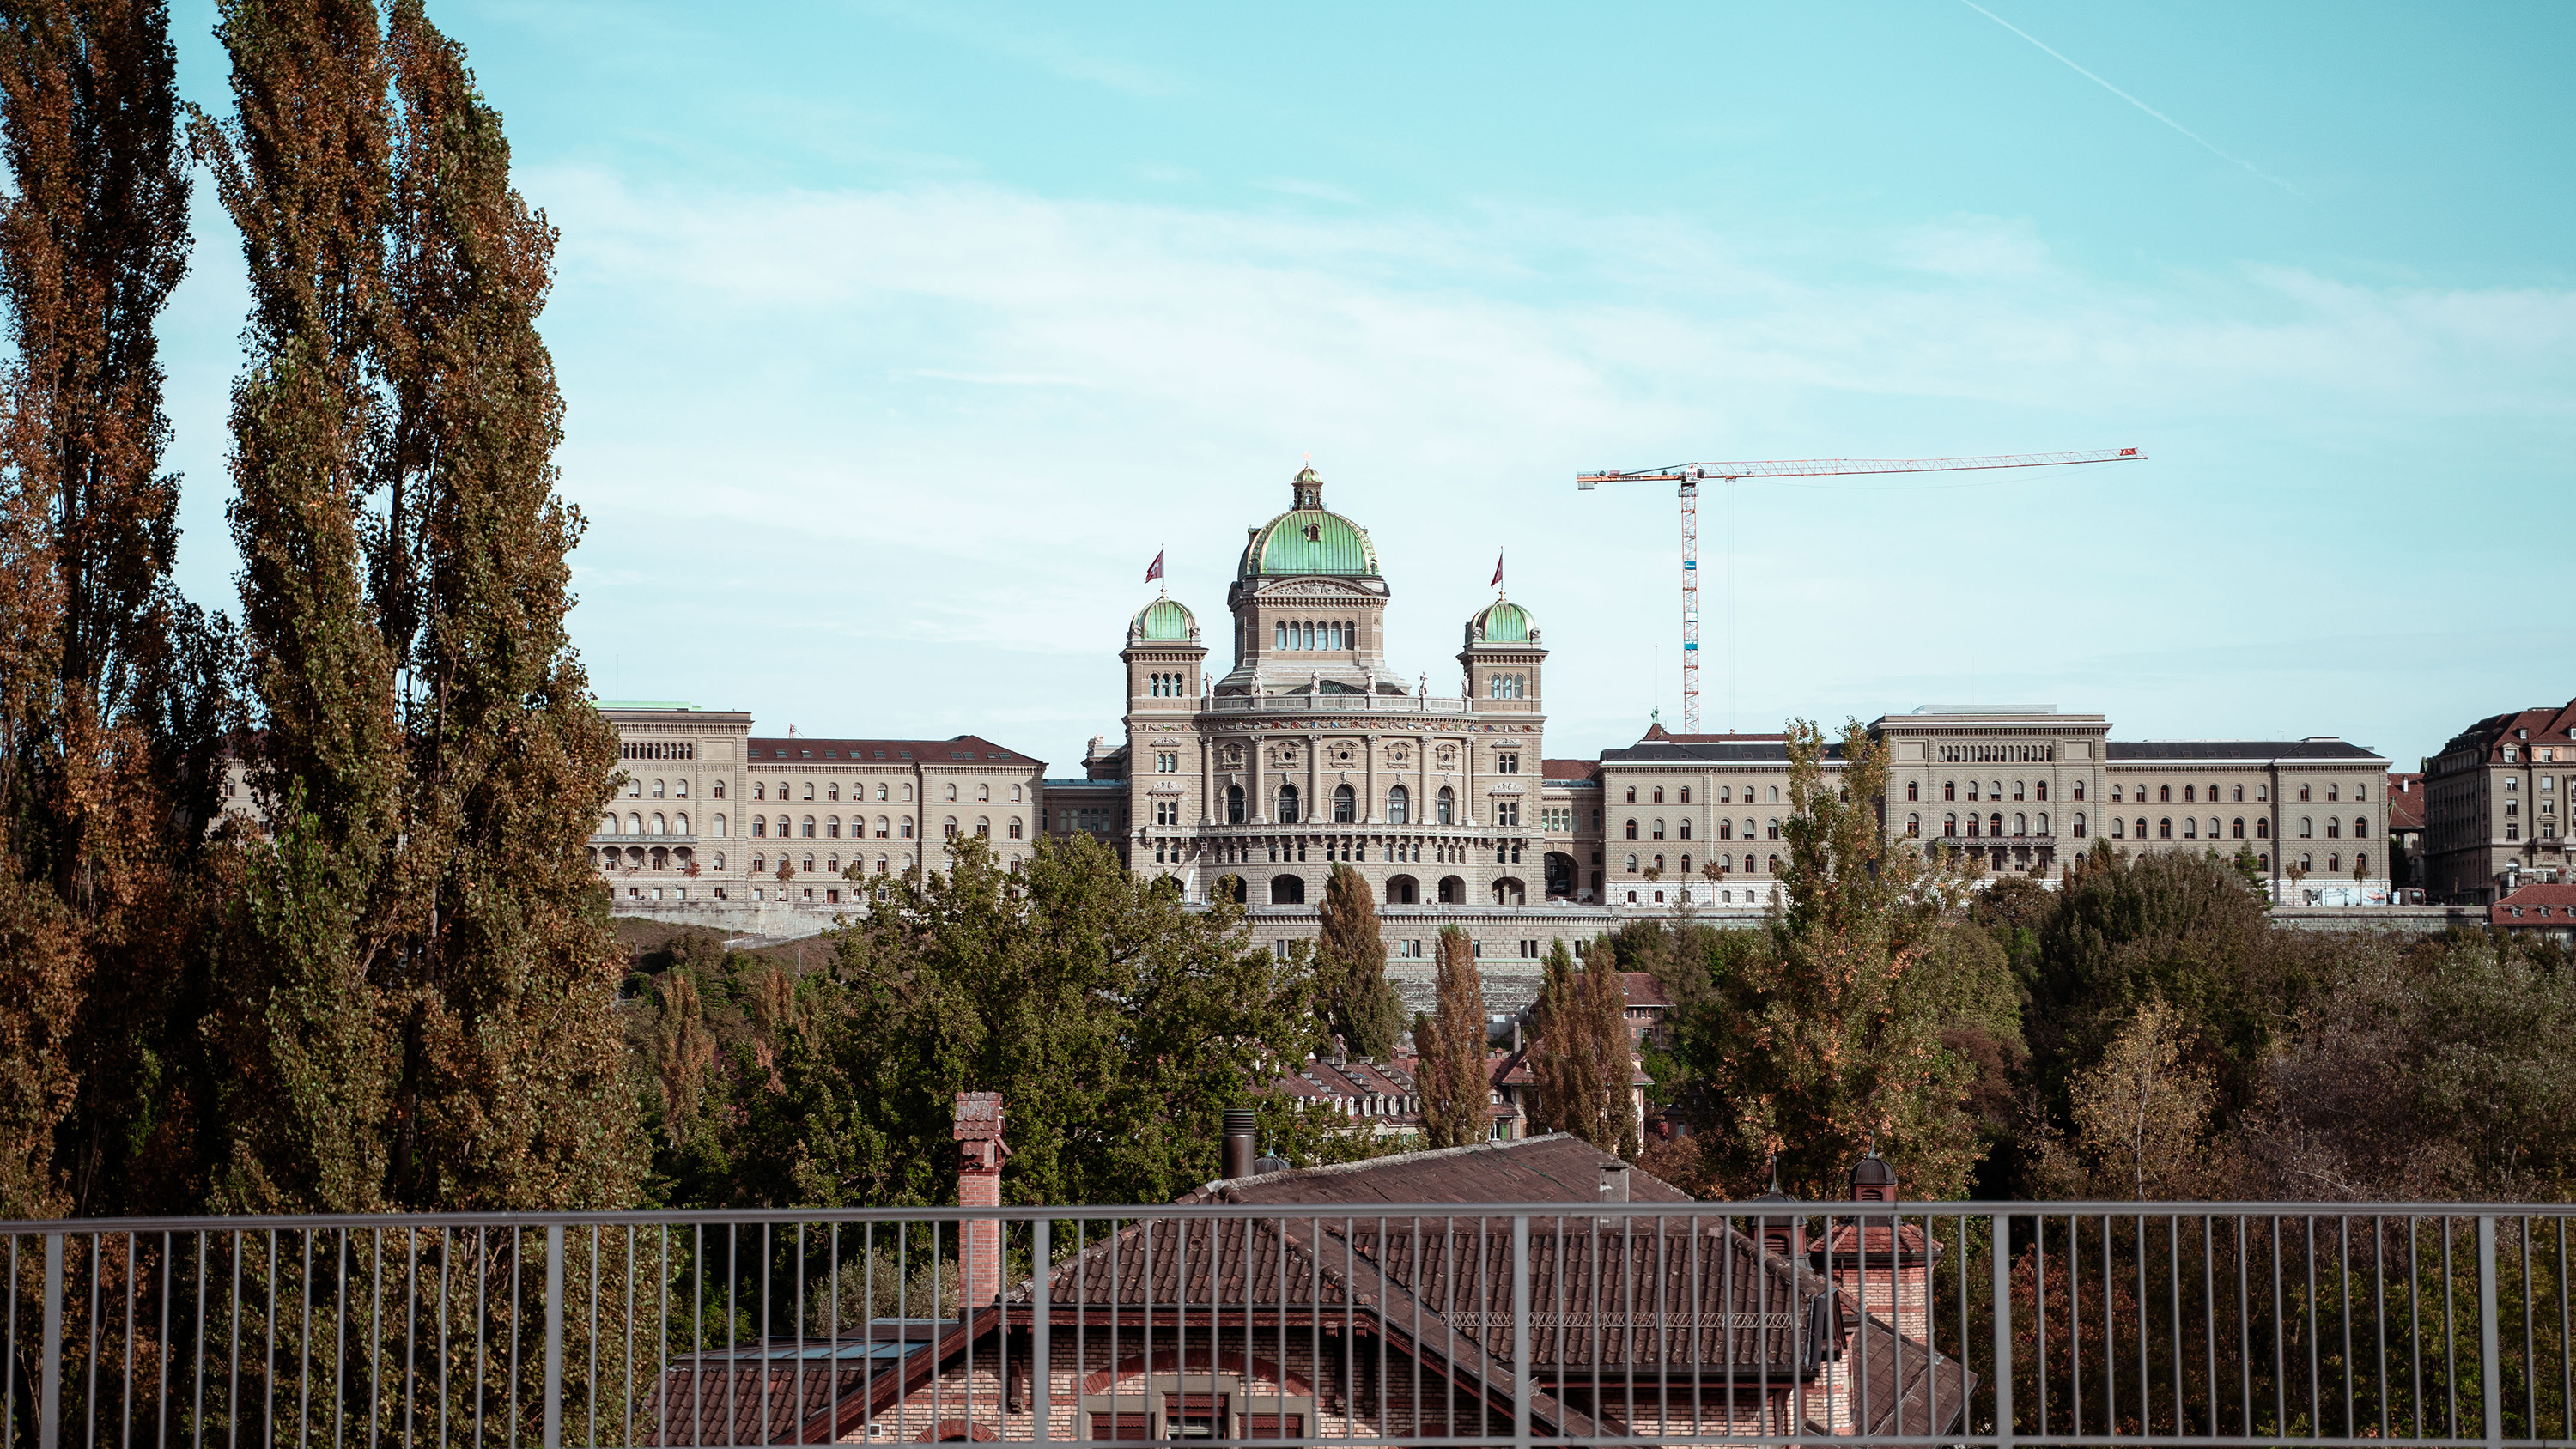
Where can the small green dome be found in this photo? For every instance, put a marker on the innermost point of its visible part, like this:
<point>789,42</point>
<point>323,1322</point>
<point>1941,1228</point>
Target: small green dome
<point>1163,619</point>
<point>1309,539</point>
<point>1500,622</point>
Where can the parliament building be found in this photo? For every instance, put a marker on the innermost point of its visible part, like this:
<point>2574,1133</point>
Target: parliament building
<point>1312,747</point>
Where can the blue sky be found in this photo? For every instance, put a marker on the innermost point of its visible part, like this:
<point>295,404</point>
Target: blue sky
<point>898,338</point>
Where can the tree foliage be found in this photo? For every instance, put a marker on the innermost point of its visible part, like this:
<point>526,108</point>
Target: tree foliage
<point>1451,1048</point>
<point>1351,989</point>
<point>1580,1057</point>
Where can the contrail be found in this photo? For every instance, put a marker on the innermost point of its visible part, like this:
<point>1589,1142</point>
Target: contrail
<point>2132,100</point>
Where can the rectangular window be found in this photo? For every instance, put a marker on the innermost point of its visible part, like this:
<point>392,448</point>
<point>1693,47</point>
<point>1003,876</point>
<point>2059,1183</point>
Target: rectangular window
<point>1167,762</point>
<point>1507,763</point>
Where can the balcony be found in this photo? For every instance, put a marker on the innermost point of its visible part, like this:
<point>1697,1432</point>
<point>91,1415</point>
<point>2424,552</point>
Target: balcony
<point>1383,704</point>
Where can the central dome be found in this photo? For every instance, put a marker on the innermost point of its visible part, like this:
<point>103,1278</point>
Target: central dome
<point>1308,539</point>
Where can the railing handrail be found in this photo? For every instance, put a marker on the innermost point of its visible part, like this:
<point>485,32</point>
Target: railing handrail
<point>1104,1212</point>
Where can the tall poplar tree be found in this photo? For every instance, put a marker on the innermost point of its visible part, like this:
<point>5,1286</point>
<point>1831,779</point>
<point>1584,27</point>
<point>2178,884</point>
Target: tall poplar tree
<point>1351,988</point>
<point>1579,1057</point>
<point>1453,1081</point>
<point>93,833</point>
<point>414,991</point>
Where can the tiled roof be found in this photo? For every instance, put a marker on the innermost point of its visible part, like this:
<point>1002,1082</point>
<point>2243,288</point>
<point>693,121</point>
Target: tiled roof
<point>2552,724</point>
<point>2405,801</point>
<point>961,751</point>
<point>2143,750</point>
<point>1711,749</point>
<point>2533,904</point>
<point>1643,989</point>
<point>1569,769</point>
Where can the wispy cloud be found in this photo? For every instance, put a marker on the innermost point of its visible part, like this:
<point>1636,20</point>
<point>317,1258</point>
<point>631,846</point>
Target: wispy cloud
<point>1049,51</point>
<point>2204,142</point>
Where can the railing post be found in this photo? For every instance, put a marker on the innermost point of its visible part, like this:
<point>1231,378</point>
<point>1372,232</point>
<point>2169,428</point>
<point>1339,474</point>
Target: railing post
<point>1520,1332</point>
<point>1041,1373</point>
<point>2002,1290</point>
<point>554,1336</point>
<point>2490,1351</point>
<point>49,1401</point>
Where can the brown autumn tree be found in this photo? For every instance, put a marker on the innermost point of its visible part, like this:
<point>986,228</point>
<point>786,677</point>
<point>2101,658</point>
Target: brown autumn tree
<point>413,989</point>
<point>1451,1047</point>
<point>1351,990</point>
<point>93,833</point>
<point>1580,1058</point>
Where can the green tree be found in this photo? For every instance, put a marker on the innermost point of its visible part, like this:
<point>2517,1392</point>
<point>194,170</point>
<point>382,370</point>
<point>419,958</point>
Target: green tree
<point>1579,1056</point>
<point>1351,990</point>
<point>1823,1040</point>
<point>1453,1078</point>
<point>2141,1115</point>
<point>1117,1022</point>
<point>413,996</point>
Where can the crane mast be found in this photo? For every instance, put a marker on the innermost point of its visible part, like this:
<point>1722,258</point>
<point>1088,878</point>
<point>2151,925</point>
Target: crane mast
<point>1688,476</point>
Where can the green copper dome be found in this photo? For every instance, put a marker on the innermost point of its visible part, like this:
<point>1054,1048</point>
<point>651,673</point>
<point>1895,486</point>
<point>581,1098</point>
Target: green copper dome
<point>1307,539</point>
<point>1500,622</point>
<point>1163,620</point>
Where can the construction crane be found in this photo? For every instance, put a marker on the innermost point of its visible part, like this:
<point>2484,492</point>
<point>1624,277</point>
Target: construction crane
<point>1690,475</point>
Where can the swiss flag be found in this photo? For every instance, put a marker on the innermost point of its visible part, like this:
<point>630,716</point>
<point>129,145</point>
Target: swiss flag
<point>1154,570</point>
<point>1498,571</point>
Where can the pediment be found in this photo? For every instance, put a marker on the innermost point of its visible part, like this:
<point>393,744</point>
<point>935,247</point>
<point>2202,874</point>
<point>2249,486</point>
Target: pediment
<point>1313,588</point>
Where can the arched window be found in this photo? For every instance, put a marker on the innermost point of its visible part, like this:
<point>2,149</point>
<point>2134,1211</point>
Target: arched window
<point>1659,829</point>
<point>1015,794</point>
<point>1632,865</point>
<point>1234,804</point>
<point>2040,790</point>
<point>1399,805</point>
<point>657,789</point>
<point>2334,827</point>
<point>2236,829</point>
<point>719,860</point>
<point>2119,830</point>
<point>1686,794</point>
<point>1659,794</point>
<point>2262,827</point>
<point>1995,823</point>
<point>2164,828</point>
<point>759,826</point>
<point>2043,822</point>
<point>1685,831</point>
<point>2021,823</point>
<point>2360,826</point>
<point>759,790</point>
<point>832,828</point>
<point>903,831</point>
<point>2307,862</point>
<point>807,827</point>
<point>1288,809</point>
<point>1444,807</point>
<point>983,794</point>
<point>1950,826</point>
<point>1278,636</point>
<point>608,825</point>
<point>1345,805</point>
<point>809,863</point>
<point>2079,825</point>
<point>1949,789</point>
<point>719,789</point>
<point>952,792</point>
<point>1287,890</point>
<point>2079,790</point>
<point>2164,794</point>
<point>1632,794</point>
<point>1015,827</point>
<point>1726,830</point>
<point>2190,828</point>
<point>1913,826</point>
<point>809,791</point>
<point>948,827</point>
<point>2361,862</point>
<point>1659,865</point>
<point>2186,794</point>
<point>2307,829</point>
<point>2142,827</point>
<point>1775,795</point>
<point>759,863</point>
<point>720,827</point>
<point>634,824</point>
<point>2334,865</point>
<point>1632,829</point>
<point>983,827</point>
<point>1913,790</point>
<point>656,826</point>
<point>680,824</point>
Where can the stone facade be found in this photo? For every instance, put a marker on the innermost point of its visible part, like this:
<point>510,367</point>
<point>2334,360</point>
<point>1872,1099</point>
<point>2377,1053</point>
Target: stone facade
<point>2497,800</point>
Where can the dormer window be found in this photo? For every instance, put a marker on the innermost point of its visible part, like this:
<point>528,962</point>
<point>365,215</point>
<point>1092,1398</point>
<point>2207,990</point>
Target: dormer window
<point>1314,533</point>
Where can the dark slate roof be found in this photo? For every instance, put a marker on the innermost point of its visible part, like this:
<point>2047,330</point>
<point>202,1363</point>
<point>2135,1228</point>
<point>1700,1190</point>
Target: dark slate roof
<point>960,751</point>
<point>2143,750</point>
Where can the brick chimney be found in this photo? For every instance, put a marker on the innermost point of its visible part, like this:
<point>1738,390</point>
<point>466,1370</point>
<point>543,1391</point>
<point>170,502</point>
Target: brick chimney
<point>1784,1237</point>
<point>979,1184</point>
<point>1885,1265</point>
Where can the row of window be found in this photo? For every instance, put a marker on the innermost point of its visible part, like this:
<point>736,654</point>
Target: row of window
<point>1996,754</point>
<point>1310,635</point>
<point>1165,686</point>
<point>1994,790</point>
<point>657,750</point>
<point>1290,805</point>
<point>637,824</point>
<point>1717,865</point>
<point>859,791</point>
<point>1401,890</point>
<point>1725,829</point>
<point>1725,795</point>
<point>635,789</point>
<point>1993,825</point>
<point>1506,686</point>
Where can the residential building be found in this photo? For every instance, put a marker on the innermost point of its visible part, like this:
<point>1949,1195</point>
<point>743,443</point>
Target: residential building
<point>2405,794</point>
<point>2547,910</point>
<point>2496,802</point>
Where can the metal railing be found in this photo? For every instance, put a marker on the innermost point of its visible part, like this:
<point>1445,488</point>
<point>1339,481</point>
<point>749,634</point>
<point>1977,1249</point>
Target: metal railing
<point>1313,1324</point>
